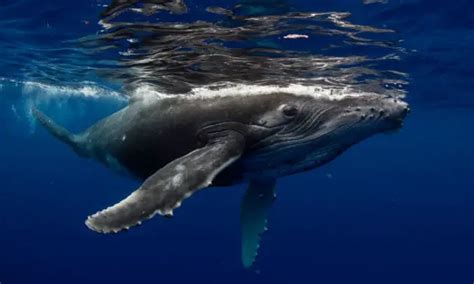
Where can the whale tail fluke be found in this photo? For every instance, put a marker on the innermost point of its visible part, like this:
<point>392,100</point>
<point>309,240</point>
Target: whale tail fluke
<point>59,132</point>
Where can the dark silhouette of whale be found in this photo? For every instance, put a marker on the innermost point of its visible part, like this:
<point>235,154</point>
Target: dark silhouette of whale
<point>181,144</point>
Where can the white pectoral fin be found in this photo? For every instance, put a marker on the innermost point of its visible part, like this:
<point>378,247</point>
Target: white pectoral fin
<point>257,201</point>
<point>165,190</point>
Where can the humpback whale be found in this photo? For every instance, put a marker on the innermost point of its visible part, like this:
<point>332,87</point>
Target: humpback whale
<point>179,145</point>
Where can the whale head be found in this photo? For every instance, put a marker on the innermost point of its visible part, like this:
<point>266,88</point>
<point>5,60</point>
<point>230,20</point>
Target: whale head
<point>315,130</point>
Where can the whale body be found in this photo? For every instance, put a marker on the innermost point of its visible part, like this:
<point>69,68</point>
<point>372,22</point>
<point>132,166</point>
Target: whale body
<point>181,144</point>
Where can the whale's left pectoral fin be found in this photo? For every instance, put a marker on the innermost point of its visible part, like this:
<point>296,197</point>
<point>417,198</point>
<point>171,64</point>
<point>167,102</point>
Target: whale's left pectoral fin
<point>164,190</point>
<point>257,201</point>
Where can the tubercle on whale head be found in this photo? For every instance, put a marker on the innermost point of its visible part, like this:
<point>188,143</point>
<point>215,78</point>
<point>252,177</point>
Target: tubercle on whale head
<point>376,114</point>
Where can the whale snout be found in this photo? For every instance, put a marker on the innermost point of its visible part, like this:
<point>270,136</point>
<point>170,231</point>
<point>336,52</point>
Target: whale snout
<point>396,111</point>
<point>384,112</point>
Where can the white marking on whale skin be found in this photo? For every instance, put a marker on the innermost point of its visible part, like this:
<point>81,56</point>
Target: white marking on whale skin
<point>167,187</point>
<point>148,94</point>
<point>177,180</point>
<point>180,168</point>
<point>124,137</point>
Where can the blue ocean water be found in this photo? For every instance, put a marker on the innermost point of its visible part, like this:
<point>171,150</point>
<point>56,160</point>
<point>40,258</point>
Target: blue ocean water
<point>396,208</point>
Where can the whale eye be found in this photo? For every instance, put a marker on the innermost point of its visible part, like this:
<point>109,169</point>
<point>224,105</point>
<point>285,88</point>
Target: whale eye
<point>289,110</point>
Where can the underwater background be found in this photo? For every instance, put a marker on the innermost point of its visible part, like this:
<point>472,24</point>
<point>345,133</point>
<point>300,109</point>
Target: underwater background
<point>396,208</point>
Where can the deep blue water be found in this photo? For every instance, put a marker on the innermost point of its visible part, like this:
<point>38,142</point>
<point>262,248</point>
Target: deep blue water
<point>396,208</point>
